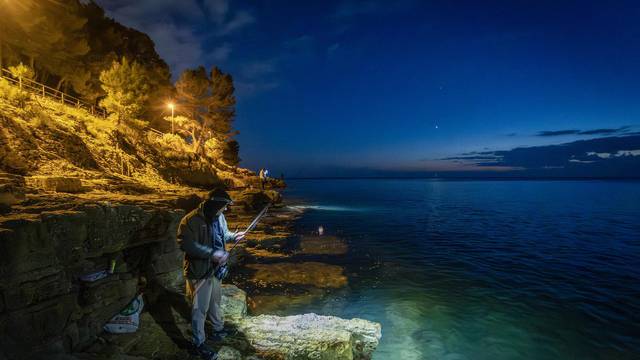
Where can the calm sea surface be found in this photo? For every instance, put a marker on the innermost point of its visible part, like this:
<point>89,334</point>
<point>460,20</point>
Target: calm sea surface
<point>484,269</point>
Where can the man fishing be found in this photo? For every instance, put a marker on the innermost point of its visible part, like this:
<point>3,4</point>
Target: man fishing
<point>202,235</point>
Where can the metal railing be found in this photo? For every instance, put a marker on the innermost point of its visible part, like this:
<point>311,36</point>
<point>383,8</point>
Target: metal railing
<point>46,91</point>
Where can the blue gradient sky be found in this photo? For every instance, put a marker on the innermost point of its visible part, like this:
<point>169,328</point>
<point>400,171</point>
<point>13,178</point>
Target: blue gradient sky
<point>349,87</point>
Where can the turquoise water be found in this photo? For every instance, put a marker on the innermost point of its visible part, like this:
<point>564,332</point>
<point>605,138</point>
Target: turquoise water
<point>484,269</point>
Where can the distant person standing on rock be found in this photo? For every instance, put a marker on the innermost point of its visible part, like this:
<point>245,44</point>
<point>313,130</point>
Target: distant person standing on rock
<point>202,235</point>
<point>263,178</point>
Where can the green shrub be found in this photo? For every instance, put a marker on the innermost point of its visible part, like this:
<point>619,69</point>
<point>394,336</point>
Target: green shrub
<point>13,93</point>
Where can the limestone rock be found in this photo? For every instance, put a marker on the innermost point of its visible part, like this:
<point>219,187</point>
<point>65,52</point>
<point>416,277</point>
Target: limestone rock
<point>311,336</point>
<point>234,303</point>
<point>11,190</point>
<point>228,353</point>
<point>57,184</point>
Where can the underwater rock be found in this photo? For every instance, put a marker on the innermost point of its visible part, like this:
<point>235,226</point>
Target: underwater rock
<point>311,336</point>
<point>316,274</point>
<point>272,303</point>
<point>322,245</point>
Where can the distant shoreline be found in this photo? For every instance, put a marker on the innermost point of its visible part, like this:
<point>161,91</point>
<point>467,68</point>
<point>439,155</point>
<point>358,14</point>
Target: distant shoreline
<point>461,178</point>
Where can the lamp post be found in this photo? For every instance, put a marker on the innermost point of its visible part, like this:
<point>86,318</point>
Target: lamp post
<point>172,106</point>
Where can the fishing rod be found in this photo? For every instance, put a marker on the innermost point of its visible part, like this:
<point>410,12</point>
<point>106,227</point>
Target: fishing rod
<point>253,225</point>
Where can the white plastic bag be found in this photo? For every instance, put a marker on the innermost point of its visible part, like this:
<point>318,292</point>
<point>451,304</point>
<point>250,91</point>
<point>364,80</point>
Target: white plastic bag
<point>128,320</point>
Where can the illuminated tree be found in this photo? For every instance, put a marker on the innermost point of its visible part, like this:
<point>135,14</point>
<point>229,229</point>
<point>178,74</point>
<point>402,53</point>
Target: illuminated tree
<point>210,104</point>
<point>126,86</point>
<point>21,72</point>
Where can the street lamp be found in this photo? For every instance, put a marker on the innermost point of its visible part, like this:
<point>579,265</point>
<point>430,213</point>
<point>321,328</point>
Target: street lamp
<point>172,106</point>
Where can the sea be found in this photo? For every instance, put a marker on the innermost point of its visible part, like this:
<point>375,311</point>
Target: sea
<point>482,269</point>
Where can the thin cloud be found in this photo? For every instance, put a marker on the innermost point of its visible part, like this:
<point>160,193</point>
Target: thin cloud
<point>606,156</point>
<point>332,48</point>
<point>611,131</point>
<point>259,68</point>
<point>248,88</point>
<point>350,8</point>
<point>238,21</point>
<point>558,132</point>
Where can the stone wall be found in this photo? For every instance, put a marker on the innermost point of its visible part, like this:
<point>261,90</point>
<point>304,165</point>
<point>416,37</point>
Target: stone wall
<point>44,307</point>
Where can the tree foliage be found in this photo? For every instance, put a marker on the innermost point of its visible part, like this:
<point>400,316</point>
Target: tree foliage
<point>208,101</point>
<point>70,42</point>
<point>21,72</point>
<point>50,36</point>
<point>231,153</point>
<point>126,86</point>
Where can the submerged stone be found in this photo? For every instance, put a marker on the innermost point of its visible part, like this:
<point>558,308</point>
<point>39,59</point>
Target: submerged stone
<point>322,245</point>
<point>316,274</point>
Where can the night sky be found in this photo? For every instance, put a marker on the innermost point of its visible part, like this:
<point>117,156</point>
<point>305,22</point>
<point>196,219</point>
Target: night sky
<point>408,88</point>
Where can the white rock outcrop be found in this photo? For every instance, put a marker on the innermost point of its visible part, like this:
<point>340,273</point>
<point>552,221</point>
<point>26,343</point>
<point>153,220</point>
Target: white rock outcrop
<point>307,336</point>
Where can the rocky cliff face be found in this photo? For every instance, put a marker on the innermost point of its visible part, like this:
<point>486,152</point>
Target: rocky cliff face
<point>44,306</point>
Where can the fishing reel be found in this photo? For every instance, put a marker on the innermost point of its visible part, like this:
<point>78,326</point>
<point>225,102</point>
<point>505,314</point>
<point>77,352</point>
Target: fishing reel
<point>221,272</point>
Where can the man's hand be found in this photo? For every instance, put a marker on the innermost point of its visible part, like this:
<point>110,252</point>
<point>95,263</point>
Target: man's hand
<point>240,235</point>
<point>220,257</point>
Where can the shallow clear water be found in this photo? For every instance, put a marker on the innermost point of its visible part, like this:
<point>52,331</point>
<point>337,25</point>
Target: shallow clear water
<point>485,269</point>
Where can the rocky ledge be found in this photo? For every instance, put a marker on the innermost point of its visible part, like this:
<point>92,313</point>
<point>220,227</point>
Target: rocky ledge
<point>48,311</point>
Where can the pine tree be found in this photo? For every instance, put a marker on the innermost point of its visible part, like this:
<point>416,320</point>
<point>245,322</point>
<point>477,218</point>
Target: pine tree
<point>126,87</point>
<point>210,104</point>
<point>194,95</point>
<point>222,109</point>
<point>231,153</point>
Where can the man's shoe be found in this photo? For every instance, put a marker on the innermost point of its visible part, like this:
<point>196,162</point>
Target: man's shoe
<point>205,352</point>
<point>220,335</point>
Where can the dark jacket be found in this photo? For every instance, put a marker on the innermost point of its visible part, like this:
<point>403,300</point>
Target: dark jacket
<point>195,239</point>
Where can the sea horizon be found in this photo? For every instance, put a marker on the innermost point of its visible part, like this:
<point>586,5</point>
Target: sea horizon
<point>515,178</point>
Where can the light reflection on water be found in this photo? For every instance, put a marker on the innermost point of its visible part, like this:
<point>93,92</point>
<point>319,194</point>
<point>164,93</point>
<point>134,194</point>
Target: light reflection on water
<point>485,269</point>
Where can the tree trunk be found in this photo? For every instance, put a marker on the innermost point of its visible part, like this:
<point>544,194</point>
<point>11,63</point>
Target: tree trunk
<point>62,80</point>
<point>194,140</point>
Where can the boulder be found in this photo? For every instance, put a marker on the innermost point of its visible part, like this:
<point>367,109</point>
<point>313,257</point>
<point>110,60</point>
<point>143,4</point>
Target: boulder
<point>11,190</point>
<point>57,184</point>
<point>255,199</point>
<point>307,336</point>
<point>311,336</point>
